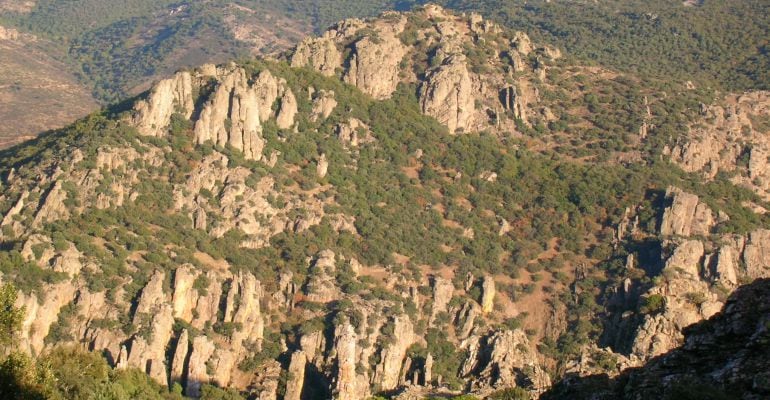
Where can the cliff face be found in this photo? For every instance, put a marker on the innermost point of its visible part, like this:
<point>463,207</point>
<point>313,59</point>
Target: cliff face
<point>725,356</point>
<point>238,226</point>
<point>465,93</point>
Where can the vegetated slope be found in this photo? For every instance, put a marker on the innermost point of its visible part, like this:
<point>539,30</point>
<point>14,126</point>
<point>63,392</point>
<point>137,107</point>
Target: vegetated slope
<point>717,43</point>
<point>332,225</point>
<point>36,91</point>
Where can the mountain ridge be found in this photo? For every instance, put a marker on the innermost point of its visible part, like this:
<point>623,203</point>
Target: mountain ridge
<point>311,231</point>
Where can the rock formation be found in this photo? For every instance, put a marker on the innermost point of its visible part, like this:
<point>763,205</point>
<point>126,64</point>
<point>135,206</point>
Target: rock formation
<point>169,96</point>
<point>686,215</point>
<point>446,94</point>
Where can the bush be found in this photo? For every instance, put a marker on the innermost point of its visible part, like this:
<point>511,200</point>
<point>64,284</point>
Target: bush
<point>653,304</point>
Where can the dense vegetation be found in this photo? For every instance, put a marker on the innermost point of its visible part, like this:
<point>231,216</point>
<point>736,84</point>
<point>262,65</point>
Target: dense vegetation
<point>719,43</point>
<point>114,46</point>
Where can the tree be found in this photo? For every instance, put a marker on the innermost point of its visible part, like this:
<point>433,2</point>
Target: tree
<point>10,315</point>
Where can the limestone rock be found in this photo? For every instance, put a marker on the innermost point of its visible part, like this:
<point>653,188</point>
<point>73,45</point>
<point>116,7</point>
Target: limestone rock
<point>288,110</point>
<point>153,115</point>
<point>153,316</point>
<point>52,207</point>
<point>296,376</point>
<point>350,133</point>
<point>686,216</point>
<point>320,54</point>
<point>321,286</point>
<point>389,371</point>
<point>374,63</point>
<point>184,295</point>
<point>488,295</point>
<point>725,137</point>
<point>727,266</point>
<point>757,254</point>
<point>446,94</point>
<point>505,359</point>
<point>178,363</point>
<point>687,258</point>
<point>231,116</point>
<point>443,290</point>
<point>323,166</point>
<point>197,375</point>
<point>323,105</point>
<point>346,385</point>
<point>466,319</point>
<point>246,312</point>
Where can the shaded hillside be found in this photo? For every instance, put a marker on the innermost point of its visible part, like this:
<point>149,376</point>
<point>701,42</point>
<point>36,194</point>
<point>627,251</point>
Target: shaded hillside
<point>724,357</point>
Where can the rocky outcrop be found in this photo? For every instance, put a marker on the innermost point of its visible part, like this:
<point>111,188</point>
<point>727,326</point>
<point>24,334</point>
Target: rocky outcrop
<point>725,356</point>
<point>296,376</point>
<point>154,320</point>
<point>175,95</point>
<point>197,375</point>
<point>374,64</point>
<point>231,116</point>
<point>323,166</point>
<point>346,386</point>
<point>443,289</point>
<point>756,256</point>
<point>52,206</point>
<point>488,295</point>
<point>686,215</point>
<point>288,111</point>
<point>320,54</point>
<point>323,105</point>
<point>388,372</point>
<point>505,359</point>
<point>728,139</point>
<point>321,286</point>
<point>179,362</point>
<point>446,94</point>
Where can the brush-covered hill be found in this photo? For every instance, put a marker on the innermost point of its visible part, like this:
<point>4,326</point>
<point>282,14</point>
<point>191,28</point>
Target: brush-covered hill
<point>420,204</point>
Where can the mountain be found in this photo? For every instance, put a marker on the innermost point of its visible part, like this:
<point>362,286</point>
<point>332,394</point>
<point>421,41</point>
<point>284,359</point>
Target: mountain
<point>117,48</point>
<point>415,205</point>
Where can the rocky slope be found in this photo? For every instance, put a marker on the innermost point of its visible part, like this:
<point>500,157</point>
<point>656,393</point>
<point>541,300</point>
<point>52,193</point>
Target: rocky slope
<point>720,358</point>
<point>334,226</point>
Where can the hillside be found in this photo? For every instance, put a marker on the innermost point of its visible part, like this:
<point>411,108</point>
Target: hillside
<point>35,91</point>
<point>115,49</point>
<point>415,205</point>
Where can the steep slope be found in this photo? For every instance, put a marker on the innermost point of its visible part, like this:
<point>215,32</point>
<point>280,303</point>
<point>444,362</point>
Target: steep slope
<point>333,226</point>
<point>722,357</point>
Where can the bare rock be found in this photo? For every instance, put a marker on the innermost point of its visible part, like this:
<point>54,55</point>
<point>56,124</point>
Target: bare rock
<point>686,216</point>
<point>446,94</point>
<point>443,289</point>
<point>488,295</point>
<point>347,385</point>
<point>197,375</point>
<point>288,111</point>
<point>687,258</point>
<point>323,105</point>
<point>153,115</point>
<point>178,363</point>
<point>323,166</point>
<point>296,380</point>
<point>389,370</point>
<point>320,54</point>
<point>374,63</point>
<point>756,256</point>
